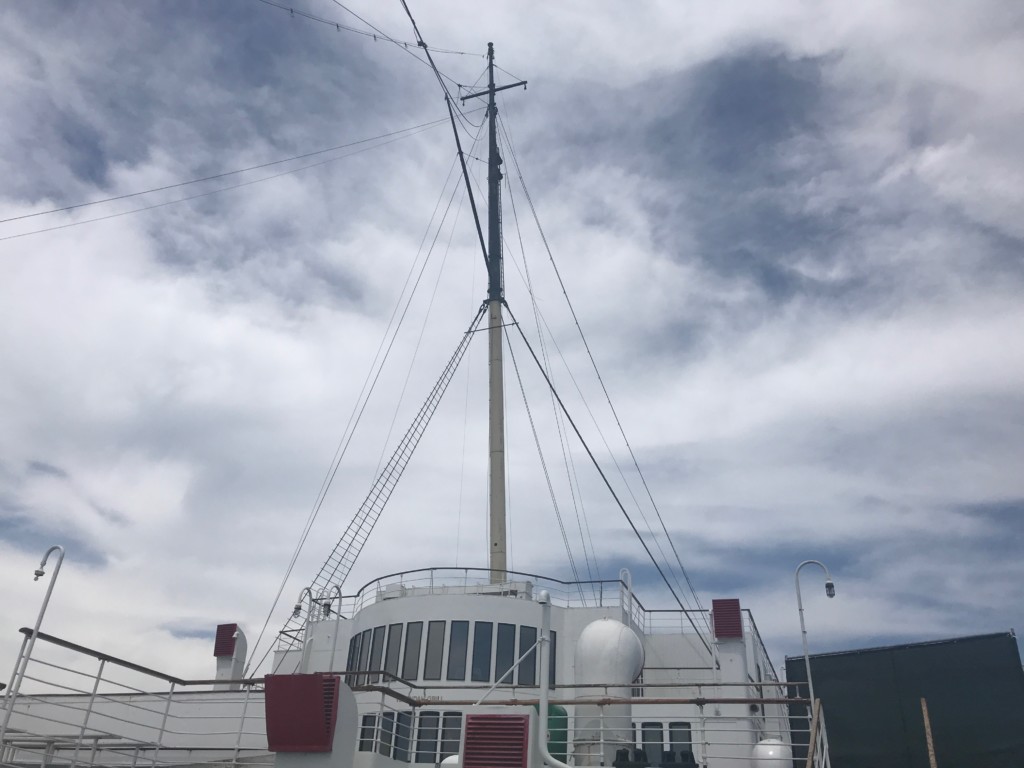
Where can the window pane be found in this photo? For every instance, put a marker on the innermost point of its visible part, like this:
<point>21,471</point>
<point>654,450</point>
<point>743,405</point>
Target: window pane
<point>426,737</point>
<point>387,733</point>
<point>411,664</point>
<point>554,658</point>
<point>435,651</point>
<point>403,736</point>
<point>652,736</point>
<point>451,734</point>
<point>528,667</point>
<point>680,741</point>
<point>364,655</point>
<point>366,733</point>
<point>394,648</point>
<point>504,655</point>
<point>353,654</point>
<point>481,671</point>
<point>458,644</point>
<point>376,652</point>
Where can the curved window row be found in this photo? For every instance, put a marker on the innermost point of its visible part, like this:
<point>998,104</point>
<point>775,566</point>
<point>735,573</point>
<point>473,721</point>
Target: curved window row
<point>437,735</point>
<point>448,650</point>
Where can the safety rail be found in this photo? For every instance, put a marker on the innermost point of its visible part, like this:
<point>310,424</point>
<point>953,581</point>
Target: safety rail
<point>80,707</point>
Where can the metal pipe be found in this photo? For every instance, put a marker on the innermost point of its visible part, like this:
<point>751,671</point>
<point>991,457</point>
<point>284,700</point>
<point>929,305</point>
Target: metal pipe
<point>19,676</point>
<point>830,590</point>
<point>88,711</point>
<point>545,664</point>
<point>304,658</point>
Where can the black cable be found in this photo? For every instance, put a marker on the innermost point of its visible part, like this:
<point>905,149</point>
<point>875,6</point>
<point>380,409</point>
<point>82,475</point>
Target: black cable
<point>608,484</point>
<point>224,174</point>
<point>205,194</point>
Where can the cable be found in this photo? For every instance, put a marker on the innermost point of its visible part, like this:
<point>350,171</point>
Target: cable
<point>212,191</point>
<point>224,174</point>
<point>608,485</point>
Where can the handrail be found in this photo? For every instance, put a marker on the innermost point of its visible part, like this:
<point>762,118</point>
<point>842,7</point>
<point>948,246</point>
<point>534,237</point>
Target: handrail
<point>812,741</point>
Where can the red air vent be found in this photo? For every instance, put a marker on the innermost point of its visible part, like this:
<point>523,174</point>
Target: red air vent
<point>301,712</point>
<point>496,741</point>
<point>224,644</point>
<point>727,618</point>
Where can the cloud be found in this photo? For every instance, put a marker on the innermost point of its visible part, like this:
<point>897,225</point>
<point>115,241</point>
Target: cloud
<point>790,235</point>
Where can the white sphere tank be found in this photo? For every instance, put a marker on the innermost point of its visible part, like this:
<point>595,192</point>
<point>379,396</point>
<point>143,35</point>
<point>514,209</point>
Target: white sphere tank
<point>608,651</point>
<point>452,760</point>
<point>772,753</point>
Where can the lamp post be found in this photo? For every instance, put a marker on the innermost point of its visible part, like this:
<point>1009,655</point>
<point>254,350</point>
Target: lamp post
<point>308,593</point>
<point>19,675</point>
<point>830,591</point>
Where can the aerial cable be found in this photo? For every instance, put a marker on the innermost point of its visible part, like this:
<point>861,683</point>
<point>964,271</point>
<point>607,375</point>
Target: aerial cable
<point>563,444</point>
<point>224,174</point>
<point>228,188</point>
<point>604,389</point>
<point>608,485</point>
<point>547,475</point>
<point>369,385</point>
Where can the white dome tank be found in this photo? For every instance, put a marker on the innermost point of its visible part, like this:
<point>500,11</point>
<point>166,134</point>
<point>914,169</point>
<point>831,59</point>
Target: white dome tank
<point>772,753</point>
<point>608,651</point>
<point>609,654</point>
<point>454,760</point>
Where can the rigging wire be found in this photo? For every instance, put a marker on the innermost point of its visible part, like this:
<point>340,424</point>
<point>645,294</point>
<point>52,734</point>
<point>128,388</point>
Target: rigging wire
<point>369,385</point>
<point>608,484</point>
<point>604,389</point>
<point>563,444</point>
<point>225,174</point>
<point>568,461</point>
<point>544,467</point>
<point>227,188</point>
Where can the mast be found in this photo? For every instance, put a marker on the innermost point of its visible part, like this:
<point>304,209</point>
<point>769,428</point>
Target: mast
<point>495,297</point>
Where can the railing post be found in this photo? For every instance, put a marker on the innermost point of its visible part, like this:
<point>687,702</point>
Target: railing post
<point>88,712</point>
<point>241,723</point>
<point>10,700</point>
<point>163,725</point>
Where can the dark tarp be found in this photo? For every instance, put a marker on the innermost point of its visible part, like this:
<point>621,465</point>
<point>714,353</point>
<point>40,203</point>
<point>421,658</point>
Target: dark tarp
<point>871,700</point>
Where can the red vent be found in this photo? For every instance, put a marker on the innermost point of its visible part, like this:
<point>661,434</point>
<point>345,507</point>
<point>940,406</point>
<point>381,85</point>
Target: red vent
<point>224,644</point>
<point>496,741</point>
<point>301,712</point>
<point>727,618</point>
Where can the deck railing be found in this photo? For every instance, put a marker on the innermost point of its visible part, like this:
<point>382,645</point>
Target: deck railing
<point>81,707</point>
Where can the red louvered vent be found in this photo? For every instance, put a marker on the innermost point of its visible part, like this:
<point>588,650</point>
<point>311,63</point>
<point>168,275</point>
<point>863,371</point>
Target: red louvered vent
<point>302,711</point>
<point>224,643</point>
<point>496,741</point>
<point>727,618</point>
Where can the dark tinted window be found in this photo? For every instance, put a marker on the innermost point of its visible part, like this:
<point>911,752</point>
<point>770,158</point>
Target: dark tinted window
<point>394,648</point>
<point>528,667</point>
<point>387,733</point>
<point>554,658</point>
<point>458,644</point>
<point>403,736</point>
<point>451,733</point>
<point>680,740</point>
<point>376,652</point>
<point>366,733</point>
<point>353,654</point>
<point>481,670</point>
<point>426,737</point>
<point>504,655</point>
<point>652,742</point>
<point>435,651</point>
<point>411,664</point>
<point>364,655</point>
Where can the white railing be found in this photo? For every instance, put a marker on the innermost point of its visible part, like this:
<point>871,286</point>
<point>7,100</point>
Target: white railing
<point>80,707</point>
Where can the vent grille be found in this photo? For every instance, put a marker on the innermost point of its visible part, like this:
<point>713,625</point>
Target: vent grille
<point>496,741</point>
<point>224,642</point>
<point>727,618</point>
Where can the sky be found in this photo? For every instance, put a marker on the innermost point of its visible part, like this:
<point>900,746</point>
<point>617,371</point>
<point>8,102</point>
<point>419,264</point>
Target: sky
<point>790,233</point>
